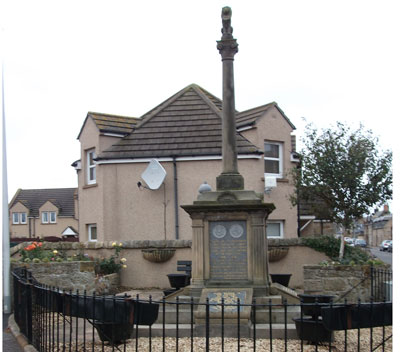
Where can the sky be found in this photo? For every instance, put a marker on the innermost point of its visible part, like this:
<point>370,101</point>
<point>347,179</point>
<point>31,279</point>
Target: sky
<point>324,61</point>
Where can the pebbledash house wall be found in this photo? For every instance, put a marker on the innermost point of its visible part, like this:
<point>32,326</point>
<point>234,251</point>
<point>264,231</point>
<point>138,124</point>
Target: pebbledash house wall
<point>122,211</point>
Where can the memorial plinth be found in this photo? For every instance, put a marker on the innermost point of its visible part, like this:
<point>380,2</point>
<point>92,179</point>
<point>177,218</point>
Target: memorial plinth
<point>229,247</point>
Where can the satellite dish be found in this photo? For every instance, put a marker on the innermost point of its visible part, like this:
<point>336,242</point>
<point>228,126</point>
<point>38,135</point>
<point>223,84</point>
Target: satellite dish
<point>154,174</point>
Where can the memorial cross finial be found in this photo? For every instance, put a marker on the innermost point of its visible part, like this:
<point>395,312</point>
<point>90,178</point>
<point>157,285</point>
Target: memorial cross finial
<point>227,29</point>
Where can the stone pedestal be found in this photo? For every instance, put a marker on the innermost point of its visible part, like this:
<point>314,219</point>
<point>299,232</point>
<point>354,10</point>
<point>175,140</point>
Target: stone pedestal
<point>229,241</point>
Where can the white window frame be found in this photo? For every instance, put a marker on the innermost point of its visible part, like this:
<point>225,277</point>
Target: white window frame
<point>47,217</point>
<point>281,227</point>
<point>89,167</point>
<point>55,217</point>
<point>15,218</point>
<point>279,159</point>
<point>90,227</point>
<point>21,215</point>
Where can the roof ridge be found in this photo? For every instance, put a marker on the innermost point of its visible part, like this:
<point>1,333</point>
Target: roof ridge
<point>112,115</point>
<point>46,189</point>
<point>154,111</point>
<point>268,105</point>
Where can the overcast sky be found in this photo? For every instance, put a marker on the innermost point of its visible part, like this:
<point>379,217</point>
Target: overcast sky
<point>326,61</point>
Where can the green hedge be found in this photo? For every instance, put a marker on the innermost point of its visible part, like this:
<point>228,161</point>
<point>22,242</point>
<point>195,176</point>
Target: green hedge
<point>331,247</point>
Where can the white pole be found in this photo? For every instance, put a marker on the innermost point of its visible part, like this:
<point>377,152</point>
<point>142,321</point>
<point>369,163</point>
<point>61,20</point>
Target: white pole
<point>6,234</point>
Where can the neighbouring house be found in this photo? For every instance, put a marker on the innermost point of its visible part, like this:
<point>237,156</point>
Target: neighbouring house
<point>183,134</point>
<point>44,212</point>
<point>314,220</point>
<point>378,227</point>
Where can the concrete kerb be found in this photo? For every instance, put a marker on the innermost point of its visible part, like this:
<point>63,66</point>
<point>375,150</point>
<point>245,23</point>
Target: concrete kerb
<point>21,339</point>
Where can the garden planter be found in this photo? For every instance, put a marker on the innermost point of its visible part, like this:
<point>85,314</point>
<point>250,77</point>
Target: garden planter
<point>158,255</point>
<point>312,330</point>
<point>282,279</point>
<point>314,303</point>
<point>178,280</point>
<point>169,291</point>
<point>113,333</point>
<point>277,253</point>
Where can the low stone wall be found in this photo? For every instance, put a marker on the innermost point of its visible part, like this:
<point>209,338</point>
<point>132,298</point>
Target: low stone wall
<point>64,275</point>
<point>338,280</point>
<point>140,273</point>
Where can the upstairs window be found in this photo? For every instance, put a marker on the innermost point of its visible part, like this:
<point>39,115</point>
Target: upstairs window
<point>18,218</point>
<point>91,167</point>
<point>49,217</point>
<point>274,229</point>
<point>45,217</point>
<point>273,159</point>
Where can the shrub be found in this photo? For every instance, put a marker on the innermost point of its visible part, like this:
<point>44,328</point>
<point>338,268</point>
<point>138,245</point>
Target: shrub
<point>113,264</point>
<point>331,246</point>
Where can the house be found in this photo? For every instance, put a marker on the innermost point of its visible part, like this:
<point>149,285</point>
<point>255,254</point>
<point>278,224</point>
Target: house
<point>314,218</point>
<point>183,134</point>
<point>378,227</point>
<point>44,212</point>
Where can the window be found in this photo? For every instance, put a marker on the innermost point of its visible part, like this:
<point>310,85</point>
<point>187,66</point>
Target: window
<point>52,217</point>
<point>92,232</point>
<point>19,218</point>
<point>275,229</point>
<point>45,217</point>
<point>49,217</point>
<point>273,159</point>
<point>91,166</point>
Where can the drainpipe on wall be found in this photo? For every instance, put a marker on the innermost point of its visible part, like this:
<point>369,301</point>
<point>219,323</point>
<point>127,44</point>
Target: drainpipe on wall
<point>176,200</point>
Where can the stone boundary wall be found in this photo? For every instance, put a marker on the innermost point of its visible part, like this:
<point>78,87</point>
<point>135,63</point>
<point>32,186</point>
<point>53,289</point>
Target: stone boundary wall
<point>64,275</point>
<point>140,273</point>
<point>337,280</point>
<point>143,274</point>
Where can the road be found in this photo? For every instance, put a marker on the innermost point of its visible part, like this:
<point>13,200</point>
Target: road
<point>386,257</point>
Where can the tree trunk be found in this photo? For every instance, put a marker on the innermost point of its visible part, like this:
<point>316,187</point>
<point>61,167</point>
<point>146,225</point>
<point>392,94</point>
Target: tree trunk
<point>341,251</point>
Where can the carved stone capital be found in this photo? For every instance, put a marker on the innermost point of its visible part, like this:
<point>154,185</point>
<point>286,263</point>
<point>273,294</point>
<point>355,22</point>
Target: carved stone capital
<point>227,48</point>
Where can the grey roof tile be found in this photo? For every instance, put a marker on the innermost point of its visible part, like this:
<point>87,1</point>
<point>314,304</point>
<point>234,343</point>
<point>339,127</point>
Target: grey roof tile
<point>63,198</point>
<point>186,124</point>
<point>108,123</point>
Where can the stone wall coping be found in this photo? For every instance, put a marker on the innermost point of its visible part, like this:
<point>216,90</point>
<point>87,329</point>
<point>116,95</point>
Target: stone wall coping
<point>146,244</point>
<point>340,266</point>
<point>287,242</point>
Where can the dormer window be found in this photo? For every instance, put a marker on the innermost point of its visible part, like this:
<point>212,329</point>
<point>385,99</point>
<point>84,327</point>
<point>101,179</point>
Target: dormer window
<point>90,167</point>
<point>19,218</point>
<point>49,217</point>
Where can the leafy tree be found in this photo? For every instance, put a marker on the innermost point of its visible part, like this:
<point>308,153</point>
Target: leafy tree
<point>345,170</point>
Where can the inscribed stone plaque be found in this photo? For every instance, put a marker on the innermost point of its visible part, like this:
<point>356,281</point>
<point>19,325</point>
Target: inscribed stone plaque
<point>228,250</point>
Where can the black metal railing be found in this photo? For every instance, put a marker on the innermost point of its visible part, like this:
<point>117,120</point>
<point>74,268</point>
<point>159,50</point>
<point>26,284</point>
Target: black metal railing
<point>56,320</point>
<point>381,284</point>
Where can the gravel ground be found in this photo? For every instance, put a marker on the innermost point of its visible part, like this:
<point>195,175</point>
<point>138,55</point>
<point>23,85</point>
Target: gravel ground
<point>230,344</point>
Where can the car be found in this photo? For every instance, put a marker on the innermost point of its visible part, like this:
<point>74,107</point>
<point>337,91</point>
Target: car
<point>360,243</point>
<point>385,245</point>
<point>390,248</point>
<point>349,240</point>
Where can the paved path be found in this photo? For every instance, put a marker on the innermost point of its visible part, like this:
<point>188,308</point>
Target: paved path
<point>10,344</point>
